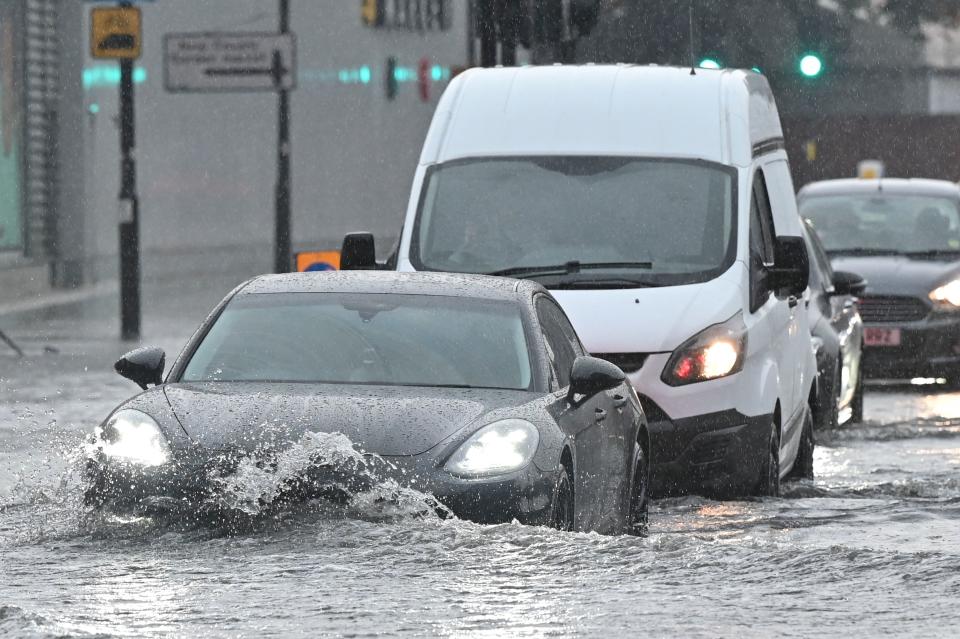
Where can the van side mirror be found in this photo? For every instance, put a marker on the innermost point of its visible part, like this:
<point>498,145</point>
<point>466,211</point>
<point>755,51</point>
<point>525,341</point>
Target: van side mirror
<point>143,366</point>
<point>790,273</point>
<point>591,375</point>
<point>846,283</point>
<point>358,253</point>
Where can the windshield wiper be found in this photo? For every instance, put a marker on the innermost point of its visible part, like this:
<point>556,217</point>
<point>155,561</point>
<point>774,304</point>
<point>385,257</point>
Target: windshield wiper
<point>601,283</point>
<point>932,252</point>
<point>569,268</point>
<point>863,251</point>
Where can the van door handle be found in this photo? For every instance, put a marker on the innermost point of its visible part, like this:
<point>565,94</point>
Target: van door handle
<point>600,414</point>
<point>619,401</point>
<point>792,301</point>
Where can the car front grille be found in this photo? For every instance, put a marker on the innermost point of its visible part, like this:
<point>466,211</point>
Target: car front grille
<point>892,309</point>
<point>628,362</point>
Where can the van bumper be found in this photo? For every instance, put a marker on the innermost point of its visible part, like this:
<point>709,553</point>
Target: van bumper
<point>717,454</point>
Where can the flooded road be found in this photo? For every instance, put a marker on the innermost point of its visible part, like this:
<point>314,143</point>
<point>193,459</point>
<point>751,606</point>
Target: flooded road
<point>871,547</point>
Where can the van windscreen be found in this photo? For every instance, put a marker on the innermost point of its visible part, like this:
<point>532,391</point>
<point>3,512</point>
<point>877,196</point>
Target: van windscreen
<point>628,221</point>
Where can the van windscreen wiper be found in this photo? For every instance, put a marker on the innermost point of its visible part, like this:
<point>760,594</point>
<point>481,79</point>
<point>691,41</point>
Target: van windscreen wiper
<point>571,267</point>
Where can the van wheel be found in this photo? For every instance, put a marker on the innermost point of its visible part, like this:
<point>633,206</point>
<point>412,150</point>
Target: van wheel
<point>562,517</point>
<point>639,493</point>
<point>768,484</point>
<point>803,465</point>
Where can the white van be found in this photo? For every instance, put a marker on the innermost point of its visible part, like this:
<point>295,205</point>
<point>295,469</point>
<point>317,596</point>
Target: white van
<point>657,206</point>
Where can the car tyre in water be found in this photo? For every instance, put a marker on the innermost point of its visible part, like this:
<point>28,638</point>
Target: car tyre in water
<point>803,465</point>
<point>856,406</point>
<point>562,517</point>
<point>639,492</point>
<point>768,484</point>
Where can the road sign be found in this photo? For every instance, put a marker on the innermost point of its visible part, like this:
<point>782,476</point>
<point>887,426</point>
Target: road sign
<point>115,33</point>
<point>318,261</point>
<point>239,61</point>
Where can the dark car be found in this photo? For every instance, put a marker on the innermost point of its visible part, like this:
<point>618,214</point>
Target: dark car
<point>903,236</point>
<point>837,332</point>
<point>474,389</point>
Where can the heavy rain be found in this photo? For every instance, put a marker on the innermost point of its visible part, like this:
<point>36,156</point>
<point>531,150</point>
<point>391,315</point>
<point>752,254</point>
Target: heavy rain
<point>479,318</point>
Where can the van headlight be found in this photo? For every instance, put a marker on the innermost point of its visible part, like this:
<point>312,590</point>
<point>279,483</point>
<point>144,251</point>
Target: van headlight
<point>947,295</point>
<point>715,352</point>
<point>498,448</point>
<point>133,437</point>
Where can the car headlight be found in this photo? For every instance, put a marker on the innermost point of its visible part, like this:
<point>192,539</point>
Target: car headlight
<point>715,352</point>
<point>947,295</point>
<point>495,449</point>
<point>133,437</point>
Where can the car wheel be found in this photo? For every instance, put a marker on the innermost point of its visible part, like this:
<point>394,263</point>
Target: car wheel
<point>803,465</point>
<point>856,406</point>
<point>639,492</point>
<point>563,502</point>
<point>768,484</point>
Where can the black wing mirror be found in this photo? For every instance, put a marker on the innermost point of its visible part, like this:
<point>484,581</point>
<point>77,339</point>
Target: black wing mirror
<point>791,266</point>
<point>846,283</point>
<point>591,375</point>
<point>358,253</point>
<point>143,366</point>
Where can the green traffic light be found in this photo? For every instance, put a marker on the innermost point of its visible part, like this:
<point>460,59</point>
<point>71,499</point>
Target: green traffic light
<point>709,63</point>
<point>811,65</point>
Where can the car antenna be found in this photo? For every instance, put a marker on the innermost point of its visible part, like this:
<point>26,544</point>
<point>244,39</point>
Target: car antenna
<point>693,55</point>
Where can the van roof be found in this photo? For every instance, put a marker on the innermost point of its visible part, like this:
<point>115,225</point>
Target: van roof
<point>725,116</point>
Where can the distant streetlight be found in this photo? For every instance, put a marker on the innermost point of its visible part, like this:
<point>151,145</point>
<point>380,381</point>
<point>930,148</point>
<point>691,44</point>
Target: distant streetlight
<point>709,63</point>
<point>811,65</point>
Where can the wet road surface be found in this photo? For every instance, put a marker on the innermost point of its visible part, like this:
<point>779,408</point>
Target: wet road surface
<point>871,547</point>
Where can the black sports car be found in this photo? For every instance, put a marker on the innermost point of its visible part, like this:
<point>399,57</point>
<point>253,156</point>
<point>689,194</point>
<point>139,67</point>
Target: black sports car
<point>837,332</point>
<point>474,389</point>
<point>903,236</point>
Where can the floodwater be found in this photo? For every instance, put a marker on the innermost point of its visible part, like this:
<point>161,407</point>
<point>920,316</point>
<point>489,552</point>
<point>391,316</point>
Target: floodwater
<point>871,547</point>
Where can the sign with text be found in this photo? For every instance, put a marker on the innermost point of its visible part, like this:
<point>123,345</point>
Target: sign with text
<point>115,33</point>
<point>238,61</point>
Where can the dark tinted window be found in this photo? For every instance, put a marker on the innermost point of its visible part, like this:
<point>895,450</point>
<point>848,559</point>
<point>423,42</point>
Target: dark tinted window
<point>761,241</point>
<point>411,340</point>
<point>561,342</point>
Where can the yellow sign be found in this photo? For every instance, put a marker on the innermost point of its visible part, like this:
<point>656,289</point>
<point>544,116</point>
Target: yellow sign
<point>115,33</point>
<point>318,261</point>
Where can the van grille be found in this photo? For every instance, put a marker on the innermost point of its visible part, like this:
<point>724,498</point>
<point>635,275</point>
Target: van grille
<point>628,362</point>
<point>892,309</point>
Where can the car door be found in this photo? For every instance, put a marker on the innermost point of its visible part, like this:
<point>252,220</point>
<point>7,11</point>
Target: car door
<point>771,317</point>
<point>583,422</point>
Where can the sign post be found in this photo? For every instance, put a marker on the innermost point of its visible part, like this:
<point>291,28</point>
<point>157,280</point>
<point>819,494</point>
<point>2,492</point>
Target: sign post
<point>116,34</point>
<point>281,256</point>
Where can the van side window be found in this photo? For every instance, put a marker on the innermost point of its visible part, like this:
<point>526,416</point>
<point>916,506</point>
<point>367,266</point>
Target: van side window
<point>560,349</point>
<point>761,241</point>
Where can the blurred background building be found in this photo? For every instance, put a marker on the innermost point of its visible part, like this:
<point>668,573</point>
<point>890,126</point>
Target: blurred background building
<point>854,78</point>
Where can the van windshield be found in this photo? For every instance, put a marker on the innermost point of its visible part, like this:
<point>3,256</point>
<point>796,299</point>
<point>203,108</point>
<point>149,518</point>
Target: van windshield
<point>627,221</point>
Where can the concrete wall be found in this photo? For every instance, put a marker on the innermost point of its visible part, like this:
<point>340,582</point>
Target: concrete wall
<point>207,161</point>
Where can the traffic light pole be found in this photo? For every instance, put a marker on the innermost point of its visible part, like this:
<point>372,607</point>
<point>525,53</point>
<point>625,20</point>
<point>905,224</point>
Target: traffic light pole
<point>129,210</point>
<point>281,256</point>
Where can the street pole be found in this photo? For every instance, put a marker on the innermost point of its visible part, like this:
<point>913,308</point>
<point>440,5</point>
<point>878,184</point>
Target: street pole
<point>129,209</point>
<point>281,257</point>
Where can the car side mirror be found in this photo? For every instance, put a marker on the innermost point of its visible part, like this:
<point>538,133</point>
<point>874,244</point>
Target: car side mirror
<point>591,375</point>
<point>143,366</point>
<point>790,273</point>
<point>846,283</point>
<point>358,253</point>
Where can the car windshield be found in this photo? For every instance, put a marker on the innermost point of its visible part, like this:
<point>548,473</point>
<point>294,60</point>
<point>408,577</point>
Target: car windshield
<point>616,216</point>
<point>884,223</point>
<point>409,340</point>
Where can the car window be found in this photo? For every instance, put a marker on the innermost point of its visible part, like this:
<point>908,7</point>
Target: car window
<point>487,215</point>
<point>761,241</point>
<point>408,340</point>
<point>884,222</point>
<point>560,340</point>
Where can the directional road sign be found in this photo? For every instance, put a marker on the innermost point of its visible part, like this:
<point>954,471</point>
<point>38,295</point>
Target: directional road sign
<point>115,33</point>
<point>238,61</point>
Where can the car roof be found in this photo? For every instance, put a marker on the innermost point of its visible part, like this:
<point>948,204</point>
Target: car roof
<point>897,186</point>
<point>621,110</point>
<point>371,282</point>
